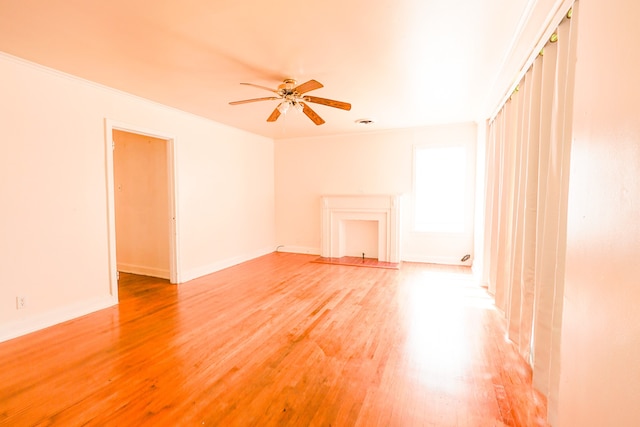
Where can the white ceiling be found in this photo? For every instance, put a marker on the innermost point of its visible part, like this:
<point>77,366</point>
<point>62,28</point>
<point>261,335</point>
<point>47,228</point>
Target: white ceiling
<point>402,63</point>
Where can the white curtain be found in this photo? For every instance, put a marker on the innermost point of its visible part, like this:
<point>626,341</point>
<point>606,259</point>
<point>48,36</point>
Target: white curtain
<point>526,194</point>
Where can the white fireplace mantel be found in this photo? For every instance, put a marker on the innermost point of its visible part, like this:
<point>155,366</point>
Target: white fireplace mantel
<point>385,209</point>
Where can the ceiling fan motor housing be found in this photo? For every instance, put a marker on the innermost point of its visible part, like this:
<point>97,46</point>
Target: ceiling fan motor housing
<point>287,86</point>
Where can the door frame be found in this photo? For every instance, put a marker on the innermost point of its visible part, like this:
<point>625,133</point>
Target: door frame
<point>110,126</point>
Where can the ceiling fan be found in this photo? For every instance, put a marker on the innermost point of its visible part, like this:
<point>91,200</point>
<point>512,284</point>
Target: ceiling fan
<point>293,97</point>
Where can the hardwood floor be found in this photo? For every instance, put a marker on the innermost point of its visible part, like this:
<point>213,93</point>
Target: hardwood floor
<point>277,341</point>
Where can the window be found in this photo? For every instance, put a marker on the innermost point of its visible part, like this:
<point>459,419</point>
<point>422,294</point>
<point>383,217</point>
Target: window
<point>440,181</point>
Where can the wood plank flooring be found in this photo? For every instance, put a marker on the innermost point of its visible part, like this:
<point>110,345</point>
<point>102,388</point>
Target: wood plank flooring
<point>277,341</point>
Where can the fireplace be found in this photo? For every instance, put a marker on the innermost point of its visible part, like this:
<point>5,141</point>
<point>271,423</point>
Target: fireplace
<point>382,209</point>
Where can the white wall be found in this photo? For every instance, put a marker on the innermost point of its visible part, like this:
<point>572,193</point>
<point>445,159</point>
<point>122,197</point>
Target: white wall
<point>600,373</point>
<point>53,222</point>
<point>365,163</point>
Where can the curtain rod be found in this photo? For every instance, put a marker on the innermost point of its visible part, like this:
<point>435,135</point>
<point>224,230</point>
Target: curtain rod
<point>558,18</point>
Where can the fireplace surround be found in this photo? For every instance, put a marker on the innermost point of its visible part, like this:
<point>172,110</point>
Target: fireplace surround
<point>384,209</point>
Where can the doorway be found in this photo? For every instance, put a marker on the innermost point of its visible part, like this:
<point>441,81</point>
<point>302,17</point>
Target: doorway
<point>141,203</point>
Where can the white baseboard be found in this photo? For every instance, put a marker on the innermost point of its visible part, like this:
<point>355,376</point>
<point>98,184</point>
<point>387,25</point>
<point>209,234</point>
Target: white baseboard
<point>144,271</point>
<point>194,273</point>
<point>435,260</point>
<point>39,321</point>
<point>298,250</point>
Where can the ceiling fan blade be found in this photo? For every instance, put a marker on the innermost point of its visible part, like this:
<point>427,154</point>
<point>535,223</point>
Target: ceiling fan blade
<point>329,102</point>
<point>274,116</point>
<point>308,86</point>
<point>268,98</point>
<point>315,118</point>
<point>260,87</point>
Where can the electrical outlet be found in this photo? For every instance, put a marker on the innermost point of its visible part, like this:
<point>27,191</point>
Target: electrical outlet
<point>21,302</point>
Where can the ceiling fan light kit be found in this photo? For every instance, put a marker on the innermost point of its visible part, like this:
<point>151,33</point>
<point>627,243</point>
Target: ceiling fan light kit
<point>283,107</point>
<point>286,105</point>
<point>292,97</point>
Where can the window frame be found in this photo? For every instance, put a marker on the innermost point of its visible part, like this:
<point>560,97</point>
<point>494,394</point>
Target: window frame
<point>469,197</point>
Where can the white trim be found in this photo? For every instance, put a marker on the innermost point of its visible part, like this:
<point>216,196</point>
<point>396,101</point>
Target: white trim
<point>298,250</point>
<point>174,265</point>
<point>383,209</point>
<point>172,177</point>
<point>59,315</point>
<point>111,217</point>
<point>555,16</point>
<point>513,43</point>
<point>436,260</point>
<point>61,74</point>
